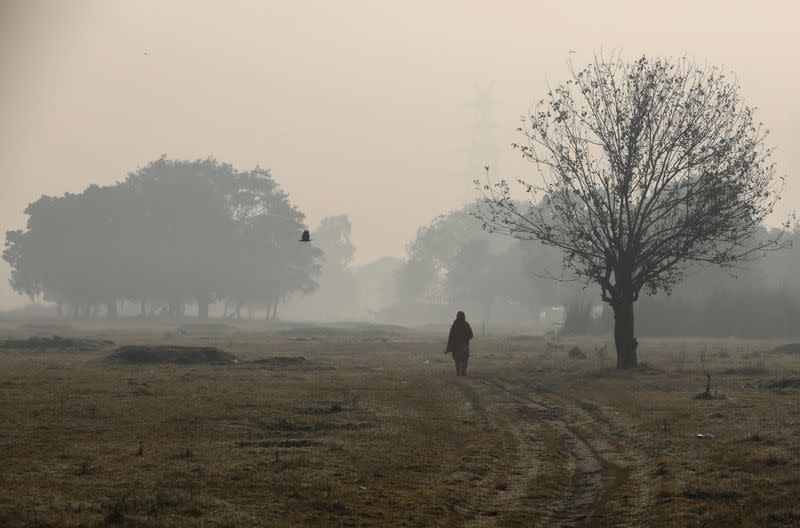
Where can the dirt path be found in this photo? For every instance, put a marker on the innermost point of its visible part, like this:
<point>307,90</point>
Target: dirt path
<point>559,465</point>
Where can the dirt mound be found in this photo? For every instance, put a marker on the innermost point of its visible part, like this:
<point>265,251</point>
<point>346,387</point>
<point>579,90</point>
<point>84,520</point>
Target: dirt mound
<point>785,383</point>
<point>61,344</point>
<point>50,327</point>
<point>280,361</point>
<point>790,348</point>
<point>181,355</point>
<point>576,353</point>
<point>206,328</point>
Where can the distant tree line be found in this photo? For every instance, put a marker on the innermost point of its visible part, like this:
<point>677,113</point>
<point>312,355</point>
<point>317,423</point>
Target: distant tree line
<point>336,296</point>
<point>173,233</point>
<point>347,291</point>
<point>452,263</point>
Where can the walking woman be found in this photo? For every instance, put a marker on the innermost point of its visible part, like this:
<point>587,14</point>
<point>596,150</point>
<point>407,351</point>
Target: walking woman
<point>458,343</point>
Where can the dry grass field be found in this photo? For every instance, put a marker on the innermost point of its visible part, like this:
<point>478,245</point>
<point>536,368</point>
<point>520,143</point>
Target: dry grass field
<point>372,428</point>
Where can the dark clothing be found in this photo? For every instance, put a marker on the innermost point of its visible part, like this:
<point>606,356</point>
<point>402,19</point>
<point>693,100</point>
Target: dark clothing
<point>461,357</point>
<point>458,343</point>
<point>460,333</point>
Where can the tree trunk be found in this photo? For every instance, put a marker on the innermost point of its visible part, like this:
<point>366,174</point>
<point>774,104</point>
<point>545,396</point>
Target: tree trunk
<point>624,338</point>
<point>269,310</point>
<point>202,307</point>
<point>275,311</point>
<point>174,309</point>
<point>142,309</point>
<point>111,309</point>
<point>60,309</point>
<point>236,313</point>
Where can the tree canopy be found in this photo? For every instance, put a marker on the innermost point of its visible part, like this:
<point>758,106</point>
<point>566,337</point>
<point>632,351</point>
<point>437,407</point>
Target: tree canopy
<point>337,295</point>
<point>173,232</point>
<point>452,262</point>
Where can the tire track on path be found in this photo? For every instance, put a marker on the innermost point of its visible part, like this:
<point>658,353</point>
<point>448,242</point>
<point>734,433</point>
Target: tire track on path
<point>599,468</point>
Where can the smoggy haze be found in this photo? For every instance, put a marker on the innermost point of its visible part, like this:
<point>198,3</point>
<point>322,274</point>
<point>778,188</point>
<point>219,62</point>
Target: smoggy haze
<point>368,108</point>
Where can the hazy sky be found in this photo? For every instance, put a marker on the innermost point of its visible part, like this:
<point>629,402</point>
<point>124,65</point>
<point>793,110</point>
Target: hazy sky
<point>360,107</point>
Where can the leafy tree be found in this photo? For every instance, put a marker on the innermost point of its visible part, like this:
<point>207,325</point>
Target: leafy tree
<point>185,234</point>
<point>174,231</point>
<point>70,249</point>
<point>333,237</point>
<point>336,296</point>
<point>471,276</point>
<point>646,167</point>
<point>377,287</point>
<point>436,246</point>
<point>453,261</point>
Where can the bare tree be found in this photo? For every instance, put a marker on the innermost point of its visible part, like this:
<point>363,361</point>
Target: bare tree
<point>645,168</point>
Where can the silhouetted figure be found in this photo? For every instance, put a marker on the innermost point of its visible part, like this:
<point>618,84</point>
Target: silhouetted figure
<point>306,237</point>
<point>458,343</point>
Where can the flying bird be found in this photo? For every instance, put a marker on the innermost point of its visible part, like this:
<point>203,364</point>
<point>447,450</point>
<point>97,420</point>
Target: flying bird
<point>571,51</point>
<point>486,168</point>
<point>306,237</point>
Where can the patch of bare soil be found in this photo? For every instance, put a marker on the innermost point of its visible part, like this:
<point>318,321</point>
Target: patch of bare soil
<point>362,331</point>
<point>56,343</point>
<point>280,361</point>
<point>789,348</point>
<point>182,355</point>
<point>785,383</point>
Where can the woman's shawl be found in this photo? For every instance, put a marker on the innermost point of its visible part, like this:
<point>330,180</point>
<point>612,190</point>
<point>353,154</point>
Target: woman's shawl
<point>460,333</point>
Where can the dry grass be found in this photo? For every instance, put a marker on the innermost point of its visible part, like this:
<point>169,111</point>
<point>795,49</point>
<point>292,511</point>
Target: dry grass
<point>377,431</point>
